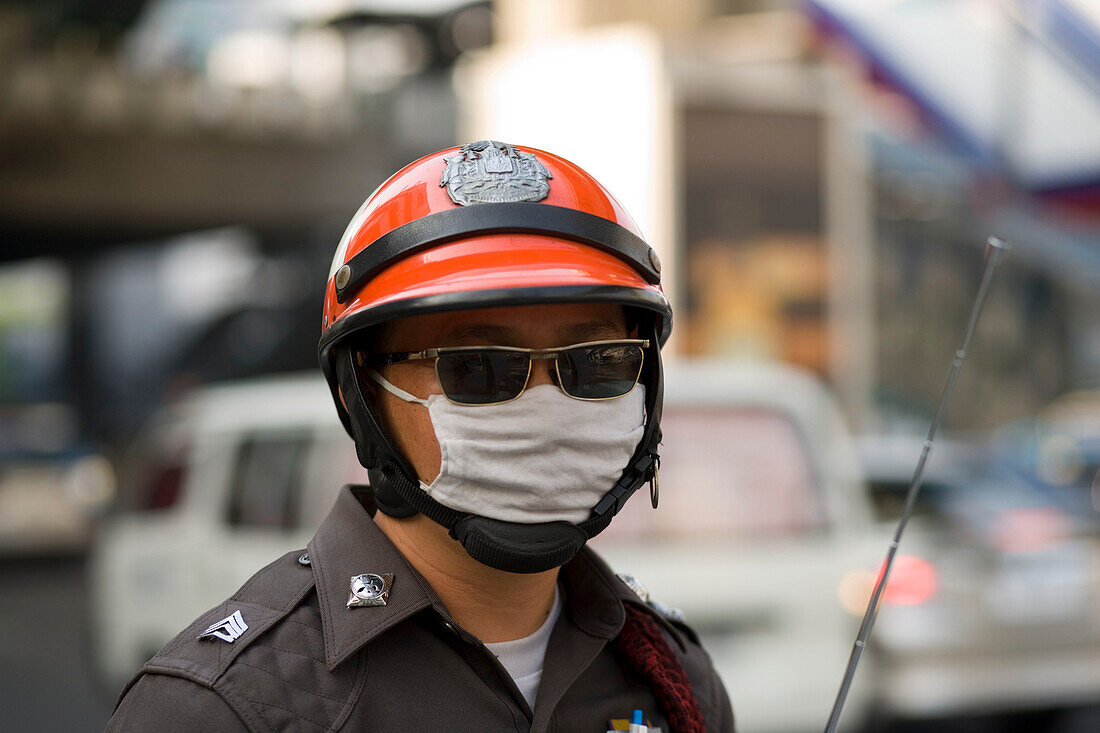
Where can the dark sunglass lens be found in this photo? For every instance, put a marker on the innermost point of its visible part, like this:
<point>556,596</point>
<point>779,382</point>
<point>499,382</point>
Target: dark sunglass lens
<point>479,377</point>
<point>600,372</point>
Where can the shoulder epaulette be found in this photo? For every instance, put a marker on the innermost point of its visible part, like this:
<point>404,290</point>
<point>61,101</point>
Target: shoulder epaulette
<point>205,649</point>
<point>669,615</point>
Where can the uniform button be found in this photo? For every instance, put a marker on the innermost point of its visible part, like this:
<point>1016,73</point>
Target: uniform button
<point>303,559</point>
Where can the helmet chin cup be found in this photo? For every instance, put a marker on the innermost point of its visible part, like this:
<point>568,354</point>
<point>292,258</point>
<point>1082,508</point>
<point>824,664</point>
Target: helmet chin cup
<point>518,548</point>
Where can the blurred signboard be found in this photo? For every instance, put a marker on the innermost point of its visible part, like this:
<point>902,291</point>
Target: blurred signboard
<point>599,97</point>
<point>1014,85</point>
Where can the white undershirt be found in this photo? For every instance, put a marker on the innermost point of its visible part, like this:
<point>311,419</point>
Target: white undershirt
<point>523,657</point>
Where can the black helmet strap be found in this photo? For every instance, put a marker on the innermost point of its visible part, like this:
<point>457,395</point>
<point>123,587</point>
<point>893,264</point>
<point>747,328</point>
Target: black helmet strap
<point>515,217</point>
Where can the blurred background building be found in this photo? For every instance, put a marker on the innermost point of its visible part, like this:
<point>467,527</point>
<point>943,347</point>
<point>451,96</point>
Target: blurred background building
<point>819,178</point>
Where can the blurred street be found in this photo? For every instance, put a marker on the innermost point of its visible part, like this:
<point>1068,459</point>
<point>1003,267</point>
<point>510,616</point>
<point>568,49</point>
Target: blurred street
<point>46,680</point>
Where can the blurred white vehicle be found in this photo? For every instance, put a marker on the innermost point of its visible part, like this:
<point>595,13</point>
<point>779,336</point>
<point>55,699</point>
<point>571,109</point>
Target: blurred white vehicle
<point>999,613</point>
<point>762,514</point>
<point>242,473</point>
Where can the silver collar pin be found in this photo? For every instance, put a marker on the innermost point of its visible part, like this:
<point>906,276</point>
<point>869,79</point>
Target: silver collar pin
<point>228,629</point>
<point>370,589</point>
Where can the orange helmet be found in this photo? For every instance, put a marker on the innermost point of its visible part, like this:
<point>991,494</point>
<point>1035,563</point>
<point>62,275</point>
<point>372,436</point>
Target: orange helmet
<point>481,225</point>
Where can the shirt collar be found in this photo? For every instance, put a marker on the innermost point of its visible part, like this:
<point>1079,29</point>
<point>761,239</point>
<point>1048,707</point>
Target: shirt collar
<point>349,543</point>
<point>594,596</point>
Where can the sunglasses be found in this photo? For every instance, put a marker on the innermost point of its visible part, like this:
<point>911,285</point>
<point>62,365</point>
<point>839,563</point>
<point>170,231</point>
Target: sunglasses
<point>490,375</point>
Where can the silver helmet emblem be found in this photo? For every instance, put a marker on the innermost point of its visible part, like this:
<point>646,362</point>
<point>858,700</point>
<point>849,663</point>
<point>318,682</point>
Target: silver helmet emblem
<point>489,172</point>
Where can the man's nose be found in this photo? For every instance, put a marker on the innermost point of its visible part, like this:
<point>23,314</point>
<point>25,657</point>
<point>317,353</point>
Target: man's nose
<point>542,372</point>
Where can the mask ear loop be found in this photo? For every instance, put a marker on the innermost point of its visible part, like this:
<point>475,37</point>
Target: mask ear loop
<point>393,388</point>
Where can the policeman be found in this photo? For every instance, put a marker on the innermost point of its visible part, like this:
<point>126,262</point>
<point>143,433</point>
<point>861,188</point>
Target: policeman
<point>491,334</point>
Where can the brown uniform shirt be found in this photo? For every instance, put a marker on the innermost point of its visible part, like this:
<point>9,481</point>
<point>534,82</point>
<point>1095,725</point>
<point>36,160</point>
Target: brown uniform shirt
<point>306,662</point>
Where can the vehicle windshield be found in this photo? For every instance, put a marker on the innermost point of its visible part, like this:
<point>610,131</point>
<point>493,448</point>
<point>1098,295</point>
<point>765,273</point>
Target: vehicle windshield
<point>727,472</point>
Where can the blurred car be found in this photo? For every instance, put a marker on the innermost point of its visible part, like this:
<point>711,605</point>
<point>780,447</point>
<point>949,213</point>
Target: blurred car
<point>237,475</point>
<point>762,515</point>
<point>1058,452</point>
<point>52,488</point>
<point>997,611</point>
<point>888,459</point>
<point>48,503</point>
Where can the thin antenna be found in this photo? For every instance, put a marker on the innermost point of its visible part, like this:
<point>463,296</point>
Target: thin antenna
<point>996,249</point>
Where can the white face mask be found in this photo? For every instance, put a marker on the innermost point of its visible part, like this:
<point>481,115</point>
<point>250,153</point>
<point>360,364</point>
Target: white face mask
<point>542,457</point>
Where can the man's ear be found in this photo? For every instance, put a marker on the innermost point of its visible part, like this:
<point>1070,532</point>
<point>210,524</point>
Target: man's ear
<point>630,315</point>
<point>367,386</point>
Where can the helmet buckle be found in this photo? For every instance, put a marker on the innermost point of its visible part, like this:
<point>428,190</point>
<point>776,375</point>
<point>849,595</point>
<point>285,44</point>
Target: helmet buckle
<point>655,483</point>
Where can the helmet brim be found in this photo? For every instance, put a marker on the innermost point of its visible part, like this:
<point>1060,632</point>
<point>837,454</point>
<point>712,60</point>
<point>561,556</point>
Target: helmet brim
<point>647,299</point>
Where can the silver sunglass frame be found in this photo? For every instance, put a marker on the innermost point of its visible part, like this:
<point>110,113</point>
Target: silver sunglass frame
<point>399,357</point>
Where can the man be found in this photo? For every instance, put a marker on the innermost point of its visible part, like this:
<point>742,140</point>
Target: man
<point>492,330</point>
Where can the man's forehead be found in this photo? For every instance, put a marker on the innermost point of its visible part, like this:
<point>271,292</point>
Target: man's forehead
<point>580,330</point>
<point>578,321</point>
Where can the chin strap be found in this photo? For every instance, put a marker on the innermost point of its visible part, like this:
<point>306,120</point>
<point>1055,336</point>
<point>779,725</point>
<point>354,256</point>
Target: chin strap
<point>509,546</point>
<point>646,459</point>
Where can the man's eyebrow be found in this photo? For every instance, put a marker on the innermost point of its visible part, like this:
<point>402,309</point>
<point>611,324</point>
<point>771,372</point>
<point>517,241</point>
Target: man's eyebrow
<point>593,331</point>
<point>496,335</point>
<point>504,335</point>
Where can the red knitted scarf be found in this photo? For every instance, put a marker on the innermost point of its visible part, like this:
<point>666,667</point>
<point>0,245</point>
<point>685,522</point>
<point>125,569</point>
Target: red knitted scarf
<point>644,647</point>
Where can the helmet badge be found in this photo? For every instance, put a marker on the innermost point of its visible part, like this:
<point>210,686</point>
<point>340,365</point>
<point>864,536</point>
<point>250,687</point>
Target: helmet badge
<point>489,172</point>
